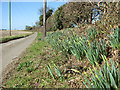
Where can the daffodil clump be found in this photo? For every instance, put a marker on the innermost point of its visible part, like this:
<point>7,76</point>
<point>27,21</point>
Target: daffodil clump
<point>96,51</point>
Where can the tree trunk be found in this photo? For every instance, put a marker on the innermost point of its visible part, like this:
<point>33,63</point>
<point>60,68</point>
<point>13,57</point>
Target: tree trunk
<point>44,18</point>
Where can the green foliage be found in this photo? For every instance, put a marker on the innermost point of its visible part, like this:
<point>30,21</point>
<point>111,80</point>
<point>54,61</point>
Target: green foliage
<point>92,33</point>
<point>54,40</point>
<point>78,46</point>
<point>37,75</point>
<point>41,20</point>
<point>53,28</point>
<point>72,14</point>
<point>24,64</point>
<point>56,70</point>
<point>106,77</point>
<point>28,28</point>
<point>95,49</point>
<point>58,22</point>
<point>48,14</point>
<point>50,71</point>
<point>30,69</point>
<point>114,38</point>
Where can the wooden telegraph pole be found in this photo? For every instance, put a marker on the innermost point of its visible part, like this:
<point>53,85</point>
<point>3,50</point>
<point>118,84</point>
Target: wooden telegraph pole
<point>44,18</point>
<point>10,16</point>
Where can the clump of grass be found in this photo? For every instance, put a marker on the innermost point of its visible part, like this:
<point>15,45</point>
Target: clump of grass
<point>24,64</point>
<point>30,69</point>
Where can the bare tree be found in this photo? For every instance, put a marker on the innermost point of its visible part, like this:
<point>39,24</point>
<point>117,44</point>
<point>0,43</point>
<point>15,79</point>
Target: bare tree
<point>44,18</point>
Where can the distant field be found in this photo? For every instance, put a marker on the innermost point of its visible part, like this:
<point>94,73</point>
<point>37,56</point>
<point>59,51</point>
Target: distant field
<point>16,34</point>
<point>5,33</point>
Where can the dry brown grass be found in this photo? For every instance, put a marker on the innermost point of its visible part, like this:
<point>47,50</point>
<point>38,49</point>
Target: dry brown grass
<point>5,33</point>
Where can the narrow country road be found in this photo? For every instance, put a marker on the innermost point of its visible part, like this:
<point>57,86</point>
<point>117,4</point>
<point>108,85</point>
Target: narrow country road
<point>12,49</point>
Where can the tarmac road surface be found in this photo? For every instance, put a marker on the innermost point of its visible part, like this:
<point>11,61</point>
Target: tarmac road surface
<point>12,49</point>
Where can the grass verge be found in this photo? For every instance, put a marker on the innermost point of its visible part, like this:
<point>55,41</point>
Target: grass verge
<point>31,70</point>
<point>43,67</point>
<point>9,38</point>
